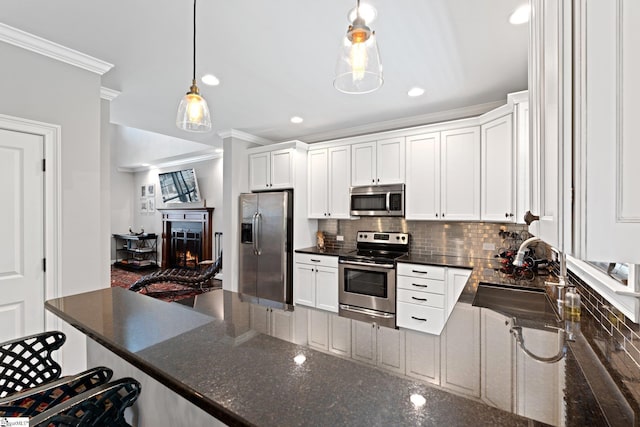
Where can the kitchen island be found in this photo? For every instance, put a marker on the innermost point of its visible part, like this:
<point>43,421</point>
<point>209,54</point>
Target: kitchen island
<point>210,356</point>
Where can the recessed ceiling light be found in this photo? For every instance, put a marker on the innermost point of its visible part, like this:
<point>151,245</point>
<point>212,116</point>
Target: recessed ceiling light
<point>210,80</point>
<point>296,119</point>
<point>367,12</point>
<point>520,15</point>
<point>415,91</point>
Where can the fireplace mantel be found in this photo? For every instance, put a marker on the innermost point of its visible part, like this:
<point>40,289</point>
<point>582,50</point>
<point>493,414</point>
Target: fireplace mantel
<point>203,216</point>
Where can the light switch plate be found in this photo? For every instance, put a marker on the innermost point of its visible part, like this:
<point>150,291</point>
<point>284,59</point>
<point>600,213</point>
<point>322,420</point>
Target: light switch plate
<point>340,238</point>
<point>489,246</point>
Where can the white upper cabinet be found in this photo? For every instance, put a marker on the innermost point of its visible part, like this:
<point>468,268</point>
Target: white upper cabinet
<point>607,149</point>
<point>422,193</point>
<point>498,180</point>
<point>318,182</point>
<point>550,111</point>
<point>460,174</point>
<point>272,170</point>
<point>443,175</point>
<point>378,162</point>
<point>329,176</point>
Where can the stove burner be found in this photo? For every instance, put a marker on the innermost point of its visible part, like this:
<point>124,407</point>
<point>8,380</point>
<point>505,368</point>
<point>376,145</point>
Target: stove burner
<point>377,247</point>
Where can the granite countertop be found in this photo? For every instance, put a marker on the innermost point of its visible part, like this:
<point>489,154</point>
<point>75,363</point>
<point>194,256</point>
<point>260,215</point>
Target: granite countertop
<point>245,378</point>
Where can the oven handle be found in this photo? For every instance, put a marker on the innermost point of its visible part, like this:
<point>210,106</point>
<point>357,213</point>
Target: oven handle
<point>367,264</point>
<point>366,311</point>
<point>388,201</point>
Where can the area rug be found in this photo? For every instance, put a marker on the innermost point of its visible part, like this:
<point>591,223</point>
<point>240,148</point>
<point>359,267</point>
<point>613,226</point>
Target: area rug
<point>164,291</point>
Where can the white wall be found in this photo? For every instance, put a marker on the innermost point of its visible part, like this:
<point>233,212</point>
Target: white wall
<point>42,89</point>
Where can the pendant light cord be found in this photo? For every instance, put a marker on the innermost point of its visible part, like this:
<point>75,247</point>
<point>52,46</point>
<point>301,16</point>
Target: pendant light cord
<point>194,40</point>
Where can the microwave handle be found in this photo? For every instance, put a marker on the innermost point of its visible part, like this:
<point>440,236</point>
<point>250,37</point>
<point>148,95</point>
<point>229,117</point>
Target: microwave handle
<point>388,201</point>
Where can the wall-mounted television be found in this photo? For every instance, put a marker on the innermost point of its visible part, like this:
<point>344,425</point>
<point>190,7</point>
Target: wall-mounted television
<point>179,187</point>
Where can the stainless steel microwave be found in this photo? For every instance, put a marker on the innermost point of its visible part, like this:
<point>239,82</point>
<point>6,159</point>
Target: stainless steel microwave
<point>378,200</point>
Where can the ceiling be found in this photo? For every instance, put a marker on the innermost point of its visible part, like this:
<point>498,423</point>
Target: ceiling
<point>275,59</point>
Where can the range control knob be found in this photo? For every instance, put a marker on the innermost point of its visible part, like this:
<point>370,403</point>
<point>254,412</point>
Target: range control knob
<point>403,238</point>
<point>397,237</point>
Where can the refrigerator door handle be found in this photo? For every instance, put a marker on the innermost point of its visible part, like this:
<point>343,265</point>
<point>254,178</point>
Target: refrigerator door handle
<point>254,232</point>
<point>258,233</point>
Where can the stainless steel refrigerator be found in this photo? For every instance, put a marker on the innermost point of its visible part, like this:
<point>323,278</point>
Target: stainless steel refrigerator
<point>266,255</point>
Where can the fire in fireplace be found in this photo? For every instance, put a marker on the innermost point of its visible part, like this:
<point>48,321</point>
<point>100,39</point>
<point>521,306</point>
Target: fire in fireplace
<point>186,246</point>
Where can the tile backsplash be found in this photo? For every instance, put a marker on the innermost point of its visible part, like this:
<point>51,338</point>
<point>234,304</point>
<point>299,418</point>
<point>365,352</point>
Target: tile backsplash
<point>472,239</point>
<point>617,337</point>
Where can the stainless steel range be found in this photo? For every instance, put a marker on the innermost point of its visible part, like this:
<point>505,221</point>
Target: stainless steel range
<point>368,277</point>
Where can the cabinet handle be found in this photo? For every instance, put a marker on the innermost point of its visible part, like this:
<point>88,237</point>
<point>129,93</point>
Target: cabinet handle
<point>420,286</point>
<point>418,271</point>
<point>511,215</point>
<point>325,214</point>
<point>419,318</point>
<point>506,215</point>
<point>378,179</point>
<point>436,215</point>
<point>373,181</point>
<point>329,214</point>
<point>315,260</point>
<point>419,299</point>
<point>443,215</point>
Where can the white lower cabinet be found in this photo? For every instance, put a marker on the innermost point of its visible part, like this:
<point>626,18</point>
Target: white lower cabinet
<point>318,330</point>
<point>423,356</point>
<point>363,341</point>
<point>340,335</point>
<point>378,345</point>
<point>540,385</point>
<point>460,351</point>
<point>315,282</point>
<point>497,357</point>
<point>285,325</point>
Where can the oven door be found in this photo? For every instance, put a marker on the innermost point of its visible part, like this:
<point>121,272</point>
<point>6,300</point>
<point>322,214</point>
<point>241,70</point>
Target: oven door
<point>368,286</point>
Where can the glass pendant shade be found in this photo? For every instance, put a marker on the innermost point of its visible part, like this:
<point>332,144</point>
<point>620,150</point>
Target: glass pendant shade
<point>193,112</point>
<point>358,69</point>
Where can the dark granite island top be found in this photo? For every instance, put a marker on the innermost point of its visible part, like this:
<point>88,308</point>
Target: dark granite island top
<point>245,378</point>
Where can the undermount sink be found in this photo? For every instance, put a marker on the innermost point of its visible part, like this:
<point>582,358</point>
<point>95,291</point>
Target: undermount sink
<point>514,301</point>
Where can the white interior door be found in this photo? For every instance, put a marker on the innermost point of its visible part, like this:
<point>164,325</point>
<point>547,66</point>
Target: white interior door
<point>22,234</point>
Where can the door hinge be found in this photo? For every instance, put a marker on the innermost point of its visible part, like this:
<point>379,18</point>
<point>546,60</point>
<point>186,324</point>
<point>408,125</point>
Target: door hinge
<point>44,165</point>
<point>44,264</point>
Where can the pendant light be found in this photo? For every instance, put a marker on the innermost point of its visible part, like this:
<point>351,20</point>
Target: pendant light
<point>193,112</point>
<point>358,69</point>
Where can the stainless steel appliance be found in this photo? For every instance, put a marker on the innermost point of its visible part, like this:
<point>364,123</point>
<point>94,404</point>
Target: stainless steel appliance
<point>367,277</point>
<point>378,200</point>
<point>266,238</point>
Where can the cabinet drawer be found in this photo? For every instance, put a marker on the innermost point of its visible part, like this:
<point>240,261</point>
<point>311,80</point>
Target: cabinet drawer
<point>422,285</point>
<point>420,318</point>
<point>324,260</point>
<point>424,271</point>
<point>420,298</point>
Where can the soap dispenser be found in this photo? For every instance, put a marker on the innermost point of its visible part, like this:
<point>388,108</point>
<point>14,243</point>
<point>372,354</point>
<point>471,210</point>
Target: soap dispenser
<point>572,304</point>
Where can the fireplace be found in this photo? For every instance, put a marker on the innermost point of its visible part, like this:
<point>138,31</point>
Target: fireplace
<point>186,237</point>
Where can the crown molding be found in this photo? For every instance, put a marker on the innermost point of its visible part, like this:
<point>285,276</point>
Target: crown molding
<point>234,133</point>
<point>53,50</point>
<point>405,122</point>
<point>171,163</point>
<point>108,94</point>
